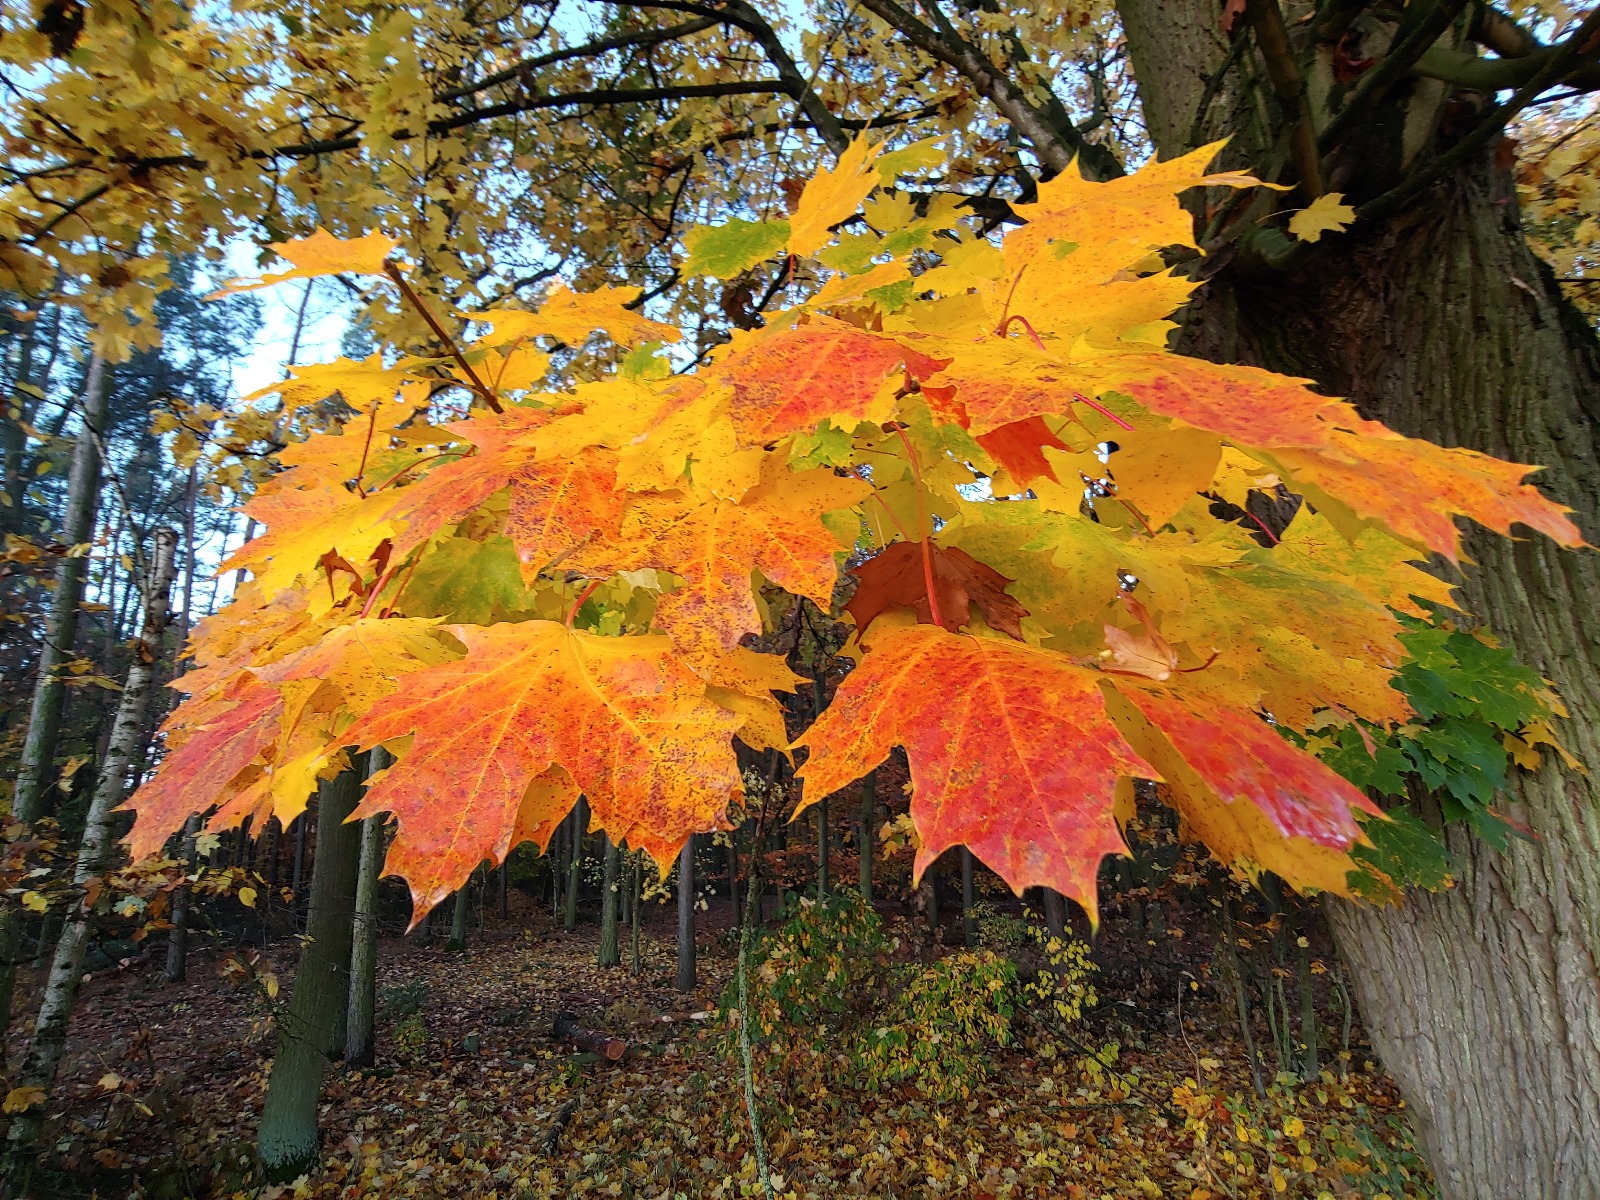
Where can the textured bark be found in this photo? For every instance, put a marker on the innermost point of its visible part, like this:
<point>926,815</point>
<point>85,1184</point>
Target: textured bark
<point>287,1137</point>
<point>686,958</point>
<point>610,955</point>
<point>822,849</point>
<point>94,854</point>
<point>1483,1001</point>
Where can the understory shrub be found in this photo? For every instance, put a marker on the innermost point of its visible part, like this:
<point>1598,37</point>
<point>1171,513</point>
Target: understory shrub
<point>825,983</point>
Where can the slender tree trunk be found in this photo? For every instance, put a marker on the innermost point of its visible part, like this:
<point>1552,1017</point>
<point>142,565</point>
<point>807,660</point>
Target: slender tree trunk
<point>502,900</point>
<point>733,878</point>
<point>610,956</point>
<point>686,959</point>
<point>360,1039</point>
<point>178,935</point>
<point>822,849</point>
<point>61,631</point>
<point>287,1137</point>
<point>579,825</point>
<point>458,919</point>
<point>869,798</point>
<point>297,874</point>
<point>94,856</point>
<point>969,915</point>
<point>638,906</point>
<point>1055,913</point>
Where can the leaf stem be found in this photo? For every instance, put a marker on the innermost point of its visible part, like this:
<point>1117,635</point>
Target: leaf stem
<point>1080,398</point>
<point>924,528</point>
<point>572,613</point>
<point>485,392</point>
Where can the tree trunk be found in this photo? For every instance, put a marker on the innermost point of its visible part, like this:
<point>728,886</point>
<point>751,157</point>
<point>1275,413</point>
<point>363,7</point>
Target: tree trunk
<point>969,915</point>
<point>287,1138</point>
<point>458,919</point>
<point>869,797</point>
<point>502,900</point>
<point>1482,1000</point>
<point>610,955</point>
<point>178,935</point>
<point>638,905</point>
<point>822,849</point>
<point>61,631</point>
<point>298,873</point>
<point>686,964</point>
<point>578,825</point>
<point>1055,913</point>
<point>94,854</point>
<point>360,1038</point>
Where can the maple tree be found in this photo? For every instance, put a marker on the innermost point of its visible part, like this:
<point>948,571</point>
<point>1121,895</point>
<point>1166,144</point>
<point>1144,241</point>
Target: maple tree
<point>530,593</point>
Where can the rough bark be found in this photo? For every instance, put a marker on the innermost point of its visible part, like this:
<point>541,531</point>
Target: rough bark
<point>61,630</point>
<point>94,854</point>
<point>686,958</point>
<point>1482,1000</point>
<point>610,955</point>
<point>287,1137</point>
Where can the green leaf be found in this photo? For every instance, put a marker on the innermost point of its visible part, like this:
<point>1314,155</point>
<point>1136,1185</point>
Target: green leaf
<point>465,580</point>
<point>1404,849</point>
<point>723,251</point>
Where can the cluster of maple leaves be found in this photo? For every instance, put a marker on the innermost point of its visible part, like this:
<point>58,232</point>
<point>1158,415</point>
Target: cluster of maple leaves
<point>546,590</point>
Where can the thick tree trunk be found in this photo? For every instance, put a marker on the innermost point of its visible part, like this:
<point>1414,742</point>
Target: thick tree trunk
<point>610,955</point>
<point>1482,1000</point>
<point>61,630</point>
<point>94,853</point>
<point>287,1138</point>
<point>360,1041</point>
<point>686,958</point>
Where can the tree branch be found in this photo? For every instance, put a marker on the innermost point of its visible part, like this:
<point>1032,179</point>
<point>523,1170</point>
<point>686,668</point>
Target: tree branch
<point>1578,47</point>
<point>1266,18</point>
<point>1400,59</point>
<point>1056,148</point>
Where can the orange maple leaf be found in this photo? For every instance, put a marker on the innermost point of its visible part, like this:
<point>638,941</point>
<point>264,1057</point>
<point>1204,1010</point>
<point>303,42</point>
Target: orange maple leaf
<point>1011,752</point>
<point>624,717</point>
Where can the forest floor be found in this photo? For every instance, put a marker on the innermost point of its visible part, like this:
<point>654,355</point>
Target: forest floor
<point>470,1097</point>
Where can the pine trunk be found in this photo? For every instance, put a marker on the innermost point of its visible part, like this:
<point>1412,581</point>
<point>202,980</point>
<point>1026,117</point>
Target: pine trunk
<point>287,1138</point>
<point>94,855</point>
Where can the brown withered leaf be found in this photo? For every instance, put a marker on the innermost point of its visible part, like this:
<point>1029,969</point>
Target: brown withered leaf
<point>895,579</point>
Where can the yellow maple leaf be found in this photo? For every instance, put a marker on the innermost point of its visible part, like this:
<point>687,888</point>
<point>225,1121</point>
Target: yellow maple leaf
<point>833,196</point>
<point>320,254</point>
<point>1326,213</point>
<point>21,1099</point>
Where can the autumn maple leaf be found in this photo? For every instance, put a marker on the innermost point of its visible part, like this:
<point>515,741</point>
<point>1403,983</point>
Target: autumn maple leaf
<point>896,577</point>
